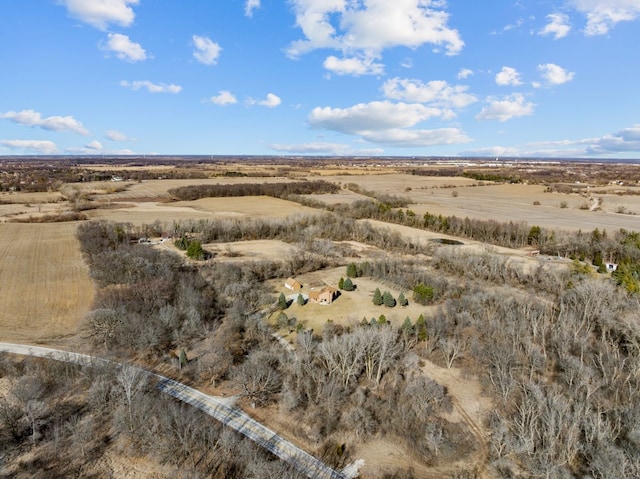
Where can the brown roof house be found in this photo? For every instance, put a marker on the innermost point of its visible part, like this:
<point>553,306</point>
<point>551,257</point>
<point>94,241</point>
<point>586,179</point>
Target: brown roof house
<point>292,284</point>
<point>324,295</point>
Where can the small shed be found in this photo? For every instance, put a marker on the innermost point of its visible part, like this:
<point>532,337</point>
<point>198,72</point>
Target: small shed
<point>292,284</point>
<point>611,267</point>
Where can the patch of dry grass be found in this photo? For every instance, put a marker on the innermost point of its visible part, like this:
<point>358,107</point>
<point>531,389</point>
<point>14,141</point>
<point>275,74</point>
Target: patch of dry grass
<point>44,282</point>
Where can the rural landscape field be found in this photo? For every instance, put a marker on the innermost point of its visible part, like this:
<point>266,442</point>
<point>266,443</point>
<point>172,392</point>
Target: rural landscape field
<point>482,317</point>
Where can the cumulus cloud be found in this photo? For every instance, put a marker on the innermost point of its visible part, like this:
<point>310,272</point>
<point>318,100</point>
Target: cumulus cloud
<point>224,97</point>
<point>114,135</point>
<point>602,15</point>
<point>353,66</point>
<point>53,123</point>
<point>371,26</point>
<point>554,74</point>
<point>464,73</point>
<point>623,141</point>
<point>271,101</point>
<point>101,13</point>
<point>508,77</point>
<point>558,26</point>
<point>250,6</point>
<point>436,92</point>
<point>416,138</point>
<point>124,48</point>
<point>377,115</point>
<point>43,147</point>
<point>94,145</point>
<point>206,51</point>
<point>386,123</point>
<point>511,106</point>
<point>151,87</point>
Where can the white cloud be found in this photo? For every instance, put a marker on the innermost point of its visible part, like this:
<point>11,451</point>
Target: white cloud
<point>224,97</point>
<point>124,48</point>
<point>464,73</point>
<point>436,92</point>
<point>626,140</point>
<point>101,13</point>
<point>370,26</point>
<point>53,123</point>
<point>558,26</point>
<point>508,107</point>
<point>206,51</point>
<point>94,145</point>
<point>377,115</point>
<point>602,15</point>
<point>508,76</point>
<point>151,87</point>
<point>386,123</point>
<point>250,6</point>
<point>114,135</point>
<point>555,74</point>
<point>43,147</point>
<point>620,143</point>
<point>271,101</point>
<point>511,26</point>
<point>353,66</point>
<point>416,138</point>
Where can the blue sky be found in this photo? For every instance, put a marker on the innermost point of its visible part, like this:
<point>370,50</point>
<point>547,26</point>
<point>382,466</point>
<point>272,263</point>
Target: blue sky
<point>552,78</point>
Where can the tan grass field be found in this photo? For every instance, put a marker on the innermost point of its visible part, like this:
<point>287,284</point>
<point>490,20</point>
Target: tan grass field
<point>349,308</point>
<point>45,288</point>
<point>206,208</point>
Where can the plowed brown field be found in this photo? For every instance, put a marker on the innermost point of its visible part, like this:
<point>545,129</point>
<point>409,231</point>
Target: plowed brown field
<point>45,287</point>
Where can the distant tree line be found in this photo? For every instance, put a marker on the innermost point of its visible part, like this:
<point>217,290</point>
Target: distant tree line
<point>277,190</point>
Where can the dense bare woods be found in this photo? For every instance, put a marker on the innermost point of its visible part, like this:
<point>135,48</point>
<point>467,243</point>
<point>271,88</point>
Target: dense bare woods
<point>62,420</point>
<point>557,350</point>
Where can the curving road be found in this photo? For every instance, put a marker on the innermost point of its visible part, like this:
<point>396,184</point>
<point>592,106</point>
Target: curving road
<point>217,408</point>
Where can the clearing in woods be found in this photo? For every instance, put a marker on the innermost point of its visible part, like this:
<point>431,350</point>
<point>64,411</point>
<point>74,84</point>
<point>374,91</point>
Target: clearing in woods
<point>45,288</point>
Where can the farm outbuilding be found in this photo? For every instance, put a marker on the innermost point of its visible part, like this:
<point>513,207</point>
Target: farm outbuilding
<point>292,284</point>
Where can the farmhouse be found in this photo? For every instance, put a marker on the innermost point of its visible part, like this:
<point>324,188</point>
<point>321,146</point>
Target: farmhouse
<point>292,284</point>
<point>322,296</point>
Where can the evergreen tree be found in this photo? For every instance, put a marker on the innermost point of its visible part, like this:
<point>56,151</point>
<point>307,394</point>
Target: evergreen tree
<point>402,300</point>
<point>195,251</point>
<point>423,293</point>
<point>282,301</point>
<point>382,320</point>
<point>347,285</point>
<point>407,327</point>
<point>421,329</point>
<point>300,299</point>
<point>377,297</point>
<point>341,283</point>
<point>388,300</point>
<point>352,271</point>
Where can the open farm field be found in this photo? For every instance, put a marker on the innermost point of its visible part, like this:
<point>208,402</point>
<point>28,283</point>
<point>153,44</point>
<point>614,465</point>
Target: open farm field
<point>504,203</point>
<point>206,208</point>
<point>465,197</point>
<point>45,288</point>
<point>20,197</point>
<point>397,183</point>
<point>150,189</point>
